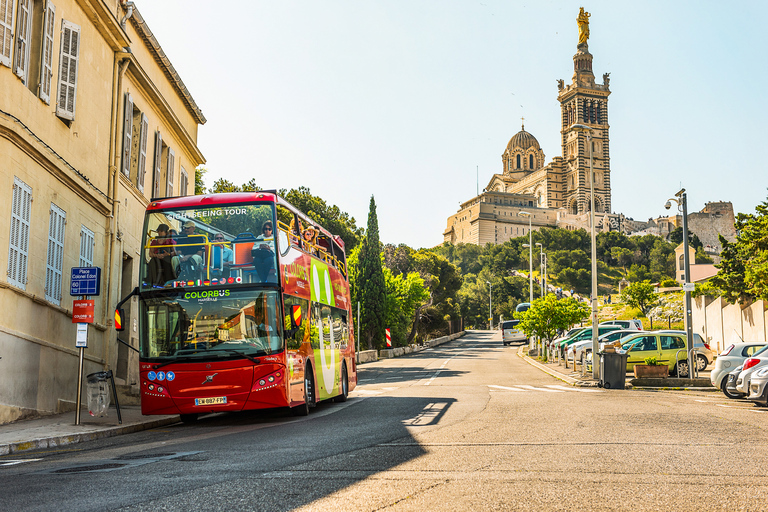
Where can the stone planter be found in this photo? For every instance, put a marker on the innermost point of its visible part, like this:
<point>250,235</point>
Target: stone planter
<point>646,371</point>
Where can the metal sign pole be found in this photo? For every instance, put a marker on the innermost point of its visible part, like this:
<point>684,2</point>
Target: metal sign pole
<point>79,387</point>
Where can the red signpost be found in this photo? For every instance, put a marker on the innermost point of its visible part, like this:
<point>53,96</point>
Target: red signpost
<point>82,311</point>
<point>389,339</point>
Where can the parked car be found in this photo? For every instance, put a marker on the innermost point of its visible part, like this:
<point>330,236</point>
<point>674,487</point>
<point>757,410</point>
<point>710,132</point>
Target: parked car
<point>510,333</point>
<point>667,348</point>
<point>633,324</point>
<point>733,356</point>
<point>758,360</point>
<point>729,386</point>
<point>758,388</point>
<point>583,347</point>
<point>704,354</point>
<point>585,333</point>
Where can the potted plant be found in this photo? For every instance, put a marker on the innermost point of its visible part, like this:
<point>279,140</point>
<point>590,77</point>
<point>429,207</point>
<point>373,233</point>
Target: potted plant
<point>651,369</point>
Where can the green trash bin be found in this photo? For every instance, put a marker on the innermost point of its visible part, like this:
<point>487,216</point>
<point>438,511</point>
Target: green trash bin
<point>613,370</point>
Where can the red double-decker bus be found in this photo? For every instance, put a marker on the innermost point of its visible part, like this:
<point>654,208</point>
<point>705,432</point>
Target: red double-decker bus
<point>243,304</point>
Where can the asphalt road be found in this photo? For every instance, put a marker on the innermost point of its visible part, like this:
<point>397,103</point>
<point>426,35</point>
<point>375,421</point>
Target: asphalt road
<point>466,426</point>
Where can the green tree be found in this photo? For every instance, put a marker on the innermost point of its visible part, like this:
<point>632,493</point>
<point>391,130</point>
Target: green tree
<point>640,296</point>
<point>743,274</point>
<point>676,237</point>
<point>199,183</point>
<point>371,285</point>
<point>622,256</point>
<point>549,315</point>
<point>405,292</point>
<point>638,273</point>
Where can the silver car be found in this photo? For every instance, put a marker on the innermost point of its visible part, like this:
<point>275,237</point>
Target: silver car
<point>751,365</point>
<point>729,359</point>
<point>758,391</point>
<point>729,383</point>
<point>510,333</point>
<point>575,351</point>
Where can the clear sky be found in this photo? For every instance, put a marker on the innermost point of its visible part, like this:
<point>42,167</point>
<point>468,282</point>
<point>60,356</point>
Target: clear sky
<point>409,101</point>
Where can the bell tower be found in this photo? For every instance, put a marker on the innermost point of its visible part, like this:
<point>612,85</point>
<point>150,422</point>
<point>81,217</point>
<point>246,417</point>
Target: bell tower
<point>584,102</point>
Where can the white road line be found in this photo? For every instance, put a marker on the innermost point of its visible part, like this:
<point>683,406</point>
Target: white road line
<point>15,462</point>
<point>532,388</point>
<point>505,388</point>
<point>573,388</point>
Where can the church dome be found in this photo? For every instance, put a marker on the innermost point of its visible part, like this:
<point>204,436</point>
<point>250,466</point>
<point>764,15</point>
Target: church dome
<point>523,140</point>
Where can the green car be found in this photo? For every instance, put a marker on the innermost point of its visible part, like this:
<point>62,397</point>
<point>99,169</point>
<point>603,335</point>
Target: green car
<point>584,334</point>
<point>667,348</point>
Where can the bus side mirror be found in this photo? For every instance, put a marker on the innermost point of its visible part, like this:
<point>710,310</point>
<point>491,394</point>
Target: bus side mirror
<point>295,314</point>
<point>119,314</point>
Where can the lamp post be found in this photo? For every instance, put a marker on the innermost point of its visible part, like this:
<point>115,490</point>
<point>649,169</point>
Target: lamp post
<point>490,305</point>
<point>682,204</point>
<point>588,131</point>
<point>541,267</point>
<point>530,254</point>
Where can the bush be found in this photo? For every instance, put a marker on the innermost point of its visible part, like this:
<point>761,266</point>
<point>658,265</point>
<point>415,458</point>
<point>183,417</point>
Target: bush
<point>651,361</point>
<point>669,283</point>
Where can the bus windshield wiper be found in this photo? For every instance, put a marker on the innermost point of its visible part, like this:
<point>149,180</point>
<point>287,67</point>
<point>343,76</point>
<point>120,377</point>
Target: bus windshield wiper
<point>242,354</point>
<point>185,359</point>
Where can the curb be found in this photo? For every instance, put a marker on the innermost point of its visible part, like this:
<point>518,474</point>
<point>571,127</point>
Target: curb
<point>55,441</point>
<point>559,376</point>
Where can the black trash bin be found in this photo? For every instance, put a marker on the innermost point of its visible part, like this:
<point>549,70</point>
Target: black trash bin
<point>613,370</point>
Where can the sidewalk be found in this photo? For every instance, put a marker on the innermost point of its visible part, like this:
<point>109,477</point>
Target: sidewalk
<point>60,429</point>
<point>575,378</point>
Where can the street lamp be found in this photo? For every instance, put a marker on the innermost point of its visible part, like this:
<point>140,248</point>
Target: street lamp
<point>541,267</point>
<point>682,204</point>
<point>588,131</point>
<point>490,304</point>
<point>530,254</point>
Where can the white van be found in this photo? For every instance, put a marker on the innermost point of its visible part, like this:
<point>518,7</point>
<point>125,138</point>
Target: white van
<point>511,334</point>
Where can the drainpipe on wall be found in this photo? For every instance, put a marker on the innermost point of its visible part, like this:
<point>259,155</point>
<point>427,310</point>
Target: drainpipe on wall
<point>121,62</point>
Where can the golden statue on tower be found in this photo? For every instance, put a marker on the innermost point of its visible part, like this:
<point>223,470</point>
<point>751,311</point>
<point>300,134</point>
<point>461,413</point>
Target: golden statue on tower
<point>583,21</point>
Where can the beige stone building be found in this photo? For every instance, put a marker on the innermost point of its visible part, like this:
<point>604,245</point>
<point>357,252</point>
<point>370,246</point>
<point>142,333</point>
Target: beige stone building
<point>561,185</point>
<point>94,121</point>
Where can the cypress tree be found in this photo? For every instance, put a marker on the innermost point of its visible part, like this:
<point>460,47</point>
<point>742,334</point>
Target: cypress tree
<point>371,287</point>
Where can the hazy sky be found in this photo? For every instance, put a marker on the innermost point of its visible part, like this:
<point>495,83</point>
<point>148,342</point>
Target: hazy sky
<point>410,100</point>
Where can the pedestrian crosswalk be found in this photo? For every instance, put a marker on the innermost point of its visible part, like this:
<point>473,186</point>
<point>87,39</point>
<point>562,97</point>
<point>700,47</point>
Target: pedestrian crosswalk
<point>550,388</point>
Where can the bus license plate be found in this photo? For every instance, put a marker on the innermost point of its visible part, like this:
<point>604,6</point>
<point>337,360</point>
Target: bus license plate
<point>214,400</point>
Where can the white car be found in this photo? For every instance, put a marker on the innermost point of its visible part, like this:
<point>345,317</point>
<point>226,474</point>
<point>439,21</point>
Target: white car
<point>585,346</point>
<point>633,324</point>
<point>733,356</point>
<point>752,364</point>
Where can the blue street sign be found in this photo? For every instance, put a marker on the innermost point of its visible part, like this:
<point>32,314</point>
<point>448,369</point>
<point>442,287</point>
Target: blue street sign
<point>85,281</point>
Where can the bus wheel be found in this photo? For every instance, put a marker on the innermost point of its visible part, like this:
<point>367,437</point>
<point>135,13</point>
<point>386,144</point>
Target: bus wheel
<point>309,394</point>
<point>344,386</point>
<point>188,418</point>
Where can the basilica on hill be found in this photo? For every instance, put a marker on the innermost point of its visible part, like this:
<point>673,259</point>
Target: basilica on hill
<point>558,193</point>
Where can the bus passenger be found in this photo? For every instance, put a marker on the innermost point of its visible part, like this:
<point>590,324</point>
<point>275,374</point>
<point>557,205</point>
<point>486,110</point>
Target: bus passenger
<point>263,253</point>
<point>222,257</point>
<point>192,249</point>
<point>163,263</point>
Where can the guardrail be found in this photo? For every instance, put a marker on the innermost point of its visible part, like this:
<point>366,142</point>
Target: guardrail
<point>368,356</point>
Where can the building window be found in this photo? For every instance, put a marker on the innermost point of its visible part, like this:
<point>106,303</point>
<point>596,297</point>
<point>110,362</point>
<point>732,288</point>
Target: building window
<point>86,247</point>
<point>68,64</point>
<point>530,161</point>
<point>518,161</point>
<point>135,134</point>
<point>23,35</point>
<point>183,182</point>
<point>18,251</point>
<point>55,254</point>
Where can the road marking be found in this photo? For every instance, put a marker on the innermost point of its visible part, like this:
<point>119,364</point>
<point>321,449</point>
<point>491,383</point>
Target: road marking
<point>532,388</point>
<point>15,462</point>
<point>578,390</point>
<point>505,388</point>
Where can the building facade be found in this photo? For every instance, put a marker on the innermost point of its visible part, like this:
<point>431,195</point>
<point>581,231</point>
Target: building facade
<point>560,190</point>
<point>94,121</point>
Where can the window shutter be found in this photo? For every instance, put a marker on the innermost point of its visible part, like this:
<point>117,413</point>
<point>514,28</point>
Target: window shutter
<point>169,173</point>
<point>55,255</point>
<point>46,64</point>
<point>127,134</point>
<point>157,164</point>
<point>19,244</point>
<point>6,31</point>
<point>183,182</point>
<point>67,87</point>
<point>141,167</point>
<point>23,29</point>
<point>86,247</point>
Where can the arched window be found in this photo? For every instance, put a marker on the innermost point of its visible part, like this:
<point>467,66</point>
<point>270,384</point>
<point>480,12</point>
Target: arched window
<point>530,161</point>
<point>518,161</point>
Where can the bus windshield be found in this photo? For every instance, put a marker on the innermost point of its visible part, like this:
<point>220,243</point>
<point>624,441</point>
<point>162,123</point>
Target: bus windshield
<point>215,245</point>
<point>213,323</point>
